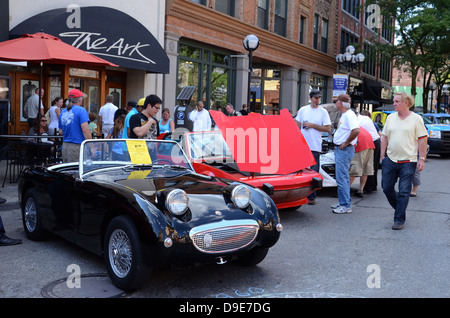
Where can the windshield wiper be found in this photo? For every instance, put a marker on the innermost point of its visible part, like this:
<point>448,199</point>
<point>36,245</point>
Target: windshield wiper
<point>141,166</point>
<point>178,167</point>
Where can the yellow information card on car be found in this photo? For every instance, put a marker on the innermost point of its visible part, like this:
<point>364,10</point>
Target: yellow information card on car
<point>138,152</point>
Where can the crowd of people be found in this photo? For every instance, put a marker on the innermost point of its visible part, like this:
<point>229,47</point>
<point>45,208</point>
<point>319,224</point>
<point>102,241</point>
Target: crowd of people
<point>359,144</point>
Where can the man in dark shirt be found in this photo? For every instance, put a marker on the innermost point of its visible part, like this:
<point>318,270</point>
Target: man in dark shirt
<point>144,125</point>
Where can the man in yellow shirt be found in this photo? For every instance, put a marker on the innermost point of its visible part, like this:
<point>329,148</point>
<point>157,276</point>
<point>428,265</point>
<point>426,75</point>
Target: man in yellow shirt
<point>404,136</point>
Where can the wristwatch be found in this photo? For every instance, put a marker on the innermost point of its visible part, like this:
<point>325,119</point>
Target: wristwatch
<point>422,158</point>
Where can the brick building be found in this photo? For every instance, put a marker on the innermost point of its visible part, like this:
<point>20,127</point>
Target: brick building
<point>298,44</point>
<point>370,85</point>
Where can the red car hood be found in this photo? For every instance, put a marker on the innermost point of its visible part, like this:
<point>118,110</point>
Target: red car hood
<point>268,144</point>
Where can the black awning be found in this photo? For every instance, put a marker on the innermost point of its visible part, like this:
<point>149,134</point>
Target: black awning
<point>105,32</point>
<point>372,90</point>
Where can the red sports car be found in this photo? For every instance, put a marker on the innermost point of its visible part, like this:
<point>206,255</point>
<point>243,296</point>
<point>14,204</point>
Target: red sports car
<point>266,151</point>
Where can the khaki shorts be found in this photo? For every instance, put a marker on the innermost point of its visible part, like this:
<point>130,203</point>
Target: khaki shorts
<point>70,152</point>
<point>362,163</point>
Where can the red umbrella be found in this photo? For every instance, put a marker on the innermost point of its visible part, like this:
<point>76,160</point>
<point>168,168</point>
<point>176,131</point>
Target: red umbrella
<point>43,47</point>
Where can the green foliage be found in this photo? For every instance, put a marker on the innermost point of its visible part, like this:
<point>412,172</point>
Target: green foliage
<point>422,39</point>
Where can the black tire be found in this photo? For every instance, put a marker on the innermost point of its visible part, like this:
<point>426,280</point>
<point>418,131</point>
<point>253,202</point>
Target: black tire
<point>254,257</point>
<point>123,255</point>
<point>31,216</point>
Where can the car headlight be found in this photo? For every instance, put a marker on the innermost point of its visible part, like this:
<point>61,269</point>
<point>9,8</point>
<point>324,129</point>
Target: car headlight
<point>241,196</point>
<point>177,202</point>
<point>435,134</point>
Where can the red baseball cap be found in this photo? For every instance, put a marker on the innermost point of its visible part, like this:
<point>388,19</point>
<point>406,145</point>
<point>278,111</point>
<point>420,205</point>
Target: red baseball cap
<point>76,93</point>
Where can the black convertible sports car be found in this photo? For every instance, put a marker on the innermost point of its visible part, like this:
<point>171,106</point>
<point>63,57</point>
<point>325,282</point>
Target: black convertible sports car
<point>141,205</point>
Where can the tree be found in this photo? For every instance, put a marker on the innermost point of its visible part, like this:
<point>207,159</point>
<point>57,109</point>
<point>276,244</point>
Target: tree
<point>422,33</point>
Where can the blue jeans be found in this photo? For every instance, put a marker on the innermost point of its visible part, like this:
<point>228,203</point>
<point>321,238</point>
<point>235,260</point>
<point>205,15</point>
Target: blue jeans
<point>343,159</point>
<point>404,173</point>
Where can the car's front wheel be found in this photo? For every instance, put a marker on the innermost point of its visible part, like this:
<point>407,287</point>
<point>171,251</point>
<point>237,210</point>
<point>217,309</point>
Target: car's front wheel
<point>123,254</point>
<point>31,216</point>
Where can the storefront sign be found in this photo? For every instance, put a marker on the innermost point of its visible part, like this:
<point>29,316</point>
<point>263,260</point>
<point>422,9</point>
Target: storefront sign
<point>105,32</point>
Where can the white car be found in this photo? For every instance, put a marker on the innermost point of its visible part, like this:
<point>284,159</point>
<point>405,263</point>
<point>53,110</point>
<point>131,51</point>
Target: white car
<point>327,162</point>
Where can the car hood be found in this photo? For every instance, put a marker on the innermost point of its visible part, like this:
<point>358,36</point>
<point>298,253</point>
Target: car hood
<point>267,144</point>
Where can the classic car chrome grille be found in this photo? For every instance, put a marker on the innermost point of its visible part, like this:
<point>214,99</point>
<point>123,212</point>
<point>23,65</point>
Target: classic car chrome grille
<point>224,236</point>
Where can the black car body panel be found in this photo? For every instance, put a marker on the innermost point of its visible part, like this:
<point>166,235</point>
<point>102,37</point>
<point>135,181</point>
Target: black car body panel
<point>80,207</point>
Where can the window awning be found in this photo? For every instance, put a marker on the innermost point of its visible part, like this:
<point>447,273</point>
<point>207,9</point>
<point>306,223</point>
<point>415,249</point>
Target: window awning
<point>104,32</point>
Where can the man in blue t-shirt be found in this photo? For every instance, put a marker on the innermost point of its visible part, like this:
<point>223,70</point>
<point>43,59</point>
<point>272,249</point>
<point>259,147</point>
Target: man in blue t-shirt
<point>74,126</point>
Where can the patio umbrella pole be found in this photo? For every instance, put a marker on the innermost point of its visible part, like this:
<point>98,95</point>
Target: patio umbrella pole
<point>40,98</point>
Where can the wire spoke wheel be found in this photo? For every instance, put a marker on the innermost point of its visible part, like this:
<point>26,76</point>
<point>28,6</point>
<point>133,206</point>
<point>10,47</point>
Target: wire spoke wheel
<point>120,253</point>
<point>30,214</point>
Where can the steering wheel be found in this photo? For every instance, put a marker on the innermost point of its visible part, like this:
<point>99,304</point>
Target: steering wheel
<point>157,161</point>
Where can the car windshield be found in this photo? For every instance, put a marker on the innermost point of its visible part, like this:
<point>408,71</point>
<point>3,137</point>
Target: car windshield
<point>427,120</point>
<point>105,153</point>
<point>443,120</point>
<point>207,145</point>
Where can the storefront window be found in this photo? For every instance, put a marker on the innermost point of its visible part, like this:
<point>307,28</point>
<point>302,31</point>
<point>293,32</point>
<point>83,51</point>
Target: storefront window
<point>219,84</point>
<point>210,71</point>
<point>265,91</point>
<point>188,75</point>
<point>88,82</point>
<point>320,83</point>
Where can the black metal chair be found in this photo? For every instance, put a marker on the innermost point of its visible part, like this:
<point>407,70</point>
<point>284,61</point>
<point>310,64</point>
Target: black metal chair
<point>16,161</point>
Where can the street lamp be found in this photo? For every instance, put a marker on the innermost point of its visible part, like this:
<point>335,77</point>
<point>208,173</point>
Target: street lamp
<point>349,59</point>
<point>251,43</point>
<point>432,87</point>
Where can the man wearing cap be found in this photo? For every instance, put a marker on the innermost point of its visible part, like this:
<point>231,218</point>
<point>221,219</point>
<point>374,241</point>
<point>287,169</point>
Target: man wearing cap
<point>106,115</point>
<point>137,108</point>
<point>74,126</point>
<point>344,140</point>
<point>313,119</point>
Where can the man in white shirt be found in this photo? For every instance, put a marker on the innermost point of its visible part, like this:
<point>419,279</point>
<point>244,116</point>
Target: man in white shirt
<point>31,109</point>
<point>106,115</point>
<point>200,117</point>
<point>344,140</point>
<point>313,119</point>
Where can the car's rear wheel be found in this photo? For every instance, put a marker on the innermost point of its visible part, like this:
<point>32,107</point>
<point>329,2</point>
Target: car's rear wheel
<point>253,257</point>
<point>124,258</point>
<point>31,216</point>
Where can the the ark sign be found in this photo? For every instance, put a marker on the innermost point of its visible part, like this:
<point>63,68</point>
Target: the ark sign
<point>105,32</point>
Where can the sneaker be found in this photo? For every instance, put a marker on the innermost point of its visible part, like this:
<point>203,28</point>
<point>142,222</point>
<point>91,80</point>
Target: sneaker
<point>335,206</point>
<point>397,226</point>
<point>312,202</point>
<point>342,210</point>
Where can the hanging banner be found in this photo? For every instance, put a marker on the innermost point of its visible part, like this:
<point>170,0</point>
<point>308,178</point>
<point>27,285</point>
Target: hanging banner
<point>340,83</point>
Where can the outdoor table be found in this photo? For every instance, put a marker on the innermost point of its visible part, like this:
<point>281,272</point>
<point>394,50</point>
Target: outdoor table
<point>27,150</point>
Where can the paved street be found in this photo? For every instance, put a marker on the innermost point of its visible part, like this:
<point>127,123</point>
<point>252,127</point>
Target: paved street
<point>320,254</point>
